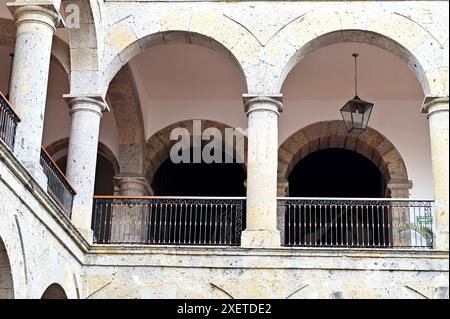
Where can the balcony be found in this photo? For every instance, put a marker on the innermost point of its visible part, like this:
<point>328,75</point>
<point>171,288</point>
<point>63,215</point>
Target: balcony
<point>304,222</point>
<point>364,223</point>
<point>8,122</point>
<point>168,220</point>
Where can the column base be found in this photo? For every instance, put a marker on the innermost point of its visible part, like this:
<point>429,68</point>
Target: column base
<point>260,239</point>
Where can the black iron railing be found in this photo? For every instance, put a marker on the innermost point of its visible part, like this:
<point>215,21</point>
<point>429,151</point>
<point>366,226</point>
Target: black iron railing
<point>380,223</point>
<point>8,122</point>
<point>58,186</point>
<point>168,220</point>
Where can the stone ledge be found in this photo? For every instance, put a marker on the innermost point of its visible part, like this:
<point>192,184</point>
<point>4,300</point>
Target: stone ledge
<point>281,251</point>
<point>279,258</point>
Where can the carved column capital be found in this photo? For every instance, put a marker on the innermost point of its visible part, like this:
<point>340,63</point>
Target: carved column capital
<point>36,12</point>
<point>433,105</point>
<point>254,103</point>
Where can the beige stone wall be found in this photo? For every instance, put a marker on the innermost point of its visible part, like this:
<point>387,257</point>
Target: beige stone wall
<point>169,272</point>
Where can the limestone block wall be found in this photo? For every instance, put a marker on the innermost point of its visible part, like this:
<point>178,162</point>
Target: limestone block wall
<point>208,272</point>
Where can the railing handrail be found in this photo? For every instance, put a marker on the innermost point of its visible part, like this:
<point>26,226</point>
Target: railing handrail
<point>65,180</point>
<point>386,199</point>
<point>279,198</point>
<point>165,197</point>
<point>17,117</point>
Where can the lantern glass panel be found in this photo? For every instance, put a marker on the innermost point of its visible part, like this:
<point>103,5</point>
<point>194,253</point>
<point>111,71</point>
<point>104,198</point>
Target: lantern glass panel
<point>356,114</point>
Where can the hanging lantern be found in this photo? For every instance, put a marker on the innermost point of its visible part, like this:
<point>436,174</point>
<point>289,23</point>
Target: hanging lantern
<point>356,112</point>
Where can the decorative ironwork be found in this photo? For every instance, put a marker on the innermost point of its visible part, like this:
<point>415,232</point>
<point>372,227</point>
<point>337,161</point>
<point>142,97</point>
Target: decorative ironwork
<point>58,187</point>
<point>168,220</point>
<point>8,122</point>
<point>338,222</point>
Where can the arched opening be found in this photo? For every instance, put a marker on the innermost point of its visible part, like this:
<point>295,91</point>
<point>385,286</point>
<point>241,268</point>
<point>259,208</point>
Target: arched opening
<point>335,181</point>
<point>178,77</point>
<point>359,38</point>
<point>169,179</point>
<point>199,179</point>
<point>54,291</point>
<point>6,279</point>
<point>323,81</point>
<point>336,172</point>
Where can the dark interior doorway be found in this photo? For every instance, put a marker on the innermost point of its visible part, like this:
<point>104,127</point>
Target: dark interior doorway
<point>199,179</point>
<point>336,172</point>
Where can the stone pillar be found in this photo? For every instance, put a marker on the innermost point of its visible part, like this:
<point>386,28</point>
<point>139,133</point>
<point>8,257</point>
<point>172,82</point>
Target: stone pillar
<point>29,79</point>
<point>262,113</point>
<point>85,113</point>
<point>130,223</point>
<point>437,114</point>
<point>400,218</point>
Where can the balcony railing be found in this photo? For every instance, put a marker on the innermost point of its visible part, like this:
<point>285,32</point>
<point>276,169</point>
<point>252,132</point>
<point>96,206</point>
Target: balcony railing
<point>8,122</point>
<point>168,220</point>
<point>377,223</point>
<point>58,187</point>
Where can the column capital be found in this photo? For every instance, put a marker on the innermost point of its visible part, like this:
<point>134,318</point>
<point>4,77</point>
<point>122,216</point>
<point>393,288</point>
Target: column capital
<point>400,183</point>
<point>93,103</point>
<point>39,11</point>
<point>132,184</point>
<point>433,105</point>
<point>398,188</point>
<point>253,103</point>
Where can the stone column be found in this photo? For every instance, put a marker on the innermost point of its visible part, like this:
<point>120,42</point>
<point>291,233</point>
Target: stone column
<point>400,218</point>
<point>29,78</point>
<point>130,223</point>
<point>262,113</point>
<point>85,113</point>
<point>437,114</point>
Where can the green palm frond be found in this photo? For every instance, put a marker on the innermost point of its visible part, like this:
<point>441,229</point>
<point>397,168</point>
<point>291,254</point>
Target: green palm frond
<point>421,229</point>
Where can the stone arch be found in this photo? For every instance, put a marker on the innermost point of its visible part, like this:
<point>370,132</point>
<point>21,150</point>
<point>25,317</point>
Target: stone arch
<point>158,146</point>
<point>54,291</point>
<point>333,134</point>
<point>6,278</point>
<point>126,38</point>
<point>61,146</point>
<point>124,102</point>
<point>399,35</point>
<point>60,49</point>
